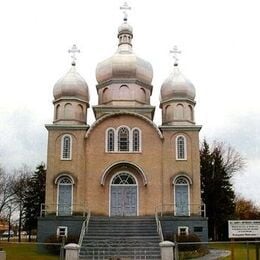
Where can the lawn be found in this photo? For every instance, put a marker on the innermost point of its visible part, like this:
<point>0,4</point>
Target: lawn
<point>22,251</point>
<point>241,251</point>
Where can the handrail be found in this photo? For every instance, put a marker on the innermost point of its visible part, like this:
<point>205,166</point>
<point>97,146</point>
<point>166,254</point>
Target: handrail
<point>159,226</point>
<point>181,210</point>
<point>60,209</point>
<point>84,228</point>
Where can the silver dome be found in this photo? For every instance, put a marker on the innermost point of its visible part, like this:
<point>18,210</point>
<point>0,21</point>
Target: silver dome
<point>124,63</point>
<point>71,85</point>
<point>177,86</point>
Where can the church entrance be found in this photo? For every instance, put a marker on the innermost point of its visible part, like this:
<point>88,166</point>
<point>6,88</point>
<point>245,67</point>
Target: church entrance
<point>181,197</point>
<point>123,195</point>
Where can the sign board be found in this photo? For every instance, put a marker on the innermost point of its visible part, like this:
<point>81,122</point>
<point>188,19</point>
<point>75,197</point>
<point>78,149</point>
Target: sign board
<point>244,228</point>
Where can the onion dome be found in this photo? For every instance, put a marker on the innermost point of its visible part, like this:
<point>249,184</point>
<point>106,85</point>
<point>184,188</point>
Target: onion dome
<point>124,63</point>
<point>177,86</point>
<point>71,85</point>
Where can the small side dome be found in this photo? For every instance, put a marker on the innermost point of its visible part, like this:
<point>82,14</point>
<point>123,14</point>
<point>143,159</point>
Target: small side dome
<point>71,85</point>
<point>177,86</point>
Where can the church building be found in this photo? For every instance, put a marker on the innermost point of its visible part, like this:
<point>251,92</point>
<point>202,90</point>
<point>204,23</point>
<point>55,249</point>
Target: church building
<point>123,164</point>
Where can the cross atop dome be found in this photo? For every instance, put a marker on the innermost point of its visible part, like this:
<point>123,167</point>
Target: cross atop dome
<point>175,52</point>
<point>125,7</point>
<point>74,49</point>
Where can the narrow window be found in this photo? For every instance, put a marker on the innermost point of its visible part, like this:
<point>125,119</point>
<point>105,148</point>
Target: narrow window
<point>110,140</point>
<point>181,148</point>
<point>123,139</point>
<point>136,140</point>
<point>66,148</point>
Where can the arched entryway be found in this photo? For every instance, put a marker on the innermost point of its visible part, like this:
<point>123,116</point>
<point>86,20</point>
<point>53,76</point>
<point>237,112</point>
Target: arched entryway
<point>123,195</point>
<point>181,196</point>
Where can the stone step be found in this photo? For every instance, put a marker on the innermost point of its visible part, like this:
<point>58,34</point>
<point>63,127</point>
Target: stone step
<point>122,237</point>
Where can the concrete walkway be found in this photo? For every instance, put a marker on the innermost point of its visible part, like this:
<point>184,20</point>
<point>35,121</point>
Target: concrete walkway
<point>215,254</point>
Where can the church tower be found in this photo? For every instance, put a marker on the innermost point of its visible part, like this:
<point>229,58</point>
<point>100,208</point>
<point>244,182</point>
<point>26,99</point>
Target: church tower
<point>124,80</point>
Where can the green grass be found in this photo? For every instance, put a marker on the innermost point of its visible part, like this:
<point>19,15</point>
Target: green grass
<point>16,251</point>
<point>241,251</point>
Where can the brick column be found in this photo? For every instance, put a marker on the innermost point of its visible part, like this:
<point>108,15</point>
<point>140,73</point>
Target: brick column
<point>167,250</point>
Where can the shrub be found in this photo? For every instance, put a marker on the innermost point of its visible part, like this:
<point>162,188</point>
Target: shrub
<point>189,239</point>
<point>57,242</point>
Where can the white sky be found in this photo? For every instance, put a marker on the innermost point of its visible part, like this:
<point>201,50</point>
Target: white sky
<point>219,40</point>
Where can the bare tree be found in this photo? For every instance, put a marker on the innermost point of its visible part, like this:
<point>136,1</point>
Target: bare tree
<point>6,191</point>
<point>20,188</point>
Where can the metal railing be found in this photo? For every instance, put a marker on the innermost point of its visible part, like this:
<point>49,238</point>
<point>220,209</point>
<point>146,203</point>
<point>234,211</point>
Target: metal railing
<point>84,228</point>
<point>63,210</point>
<point>159,227</point>
<point>172,209</point>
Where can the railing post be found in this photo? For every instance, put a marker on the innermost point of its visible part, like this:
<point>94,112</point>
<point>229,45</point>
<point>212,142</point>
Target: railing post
<point>167,250</point>
<point>72,251</point>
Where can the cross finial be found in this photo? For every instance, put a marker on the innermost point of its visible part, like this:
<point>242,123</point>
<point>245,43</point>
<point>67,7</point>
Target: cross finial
<point>125,7</point>
<point>175,51</point>
<point>74,49</point>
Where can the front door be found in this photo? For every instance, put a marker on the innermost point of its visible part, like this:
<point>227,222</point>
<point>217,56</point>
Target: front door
<point>181,200</point>
<point>123,195</point>
<point>64,200</point>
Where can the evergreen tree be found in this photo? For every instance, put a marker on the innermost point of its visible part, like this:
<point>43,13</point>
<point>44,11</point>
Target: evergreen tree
<point>217,167</point>
<point>34,198</point>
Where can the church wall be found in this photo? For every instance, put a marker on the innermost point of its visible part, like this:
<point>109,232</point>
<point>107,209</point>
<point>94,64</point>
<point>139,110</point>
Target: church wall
<point>74,167</point>
<point>189,167</point>
<point>149,160</point>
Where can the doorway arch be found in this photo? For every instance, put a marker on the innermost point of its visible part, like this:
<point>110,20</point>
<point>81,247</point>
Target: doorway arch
<point>123,194</point>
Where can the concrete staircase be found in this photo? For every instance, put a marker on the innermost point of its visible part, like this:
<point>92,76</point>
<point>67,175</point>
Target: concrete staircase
<point>121,238</point>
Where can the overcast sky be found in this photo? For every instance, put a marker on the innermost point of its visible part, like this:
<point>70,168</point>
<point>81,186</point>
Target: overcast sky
<point>219,40</point>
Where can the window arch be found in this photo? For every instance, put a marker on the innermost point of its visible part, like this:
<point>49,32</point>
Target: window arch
<point>191,116</point>
<point>110,137</point>
<point>57,114</point>
<point>64,196</point>
<point>181,149</point>
<point>179,112</point>
<point>136,140</point>
<point>66,147</point>
<point>123,139</point>
<point>123,178</point>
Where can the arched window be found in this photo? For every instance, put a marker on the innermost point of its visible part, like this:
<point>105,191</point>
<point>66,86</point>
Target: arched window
<point>124,179</point>
<point>191,113</point>
<point>179,112</point>
<point>110,140</point>
<point>64,196</point>
<point>66,147</point>
<point>136,140</point>
<point>181,148</point>
<point>123,139</point>
<point>57,114</point>
<point>181,196</point>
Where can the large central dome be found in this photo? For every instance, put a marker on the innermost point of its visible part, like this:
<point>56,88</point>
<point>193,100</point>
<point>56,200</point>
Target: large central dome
<point>124,63</point>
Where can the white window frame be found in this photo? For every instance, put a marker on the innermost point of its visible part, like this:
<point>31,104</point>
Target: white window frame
<point>107,139</point>
<point>59,231</point>
<point>130,141</point>
<point>185,228</point>
<point>177,148</point>
<point>140,140</point>
<point>62,148</point>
